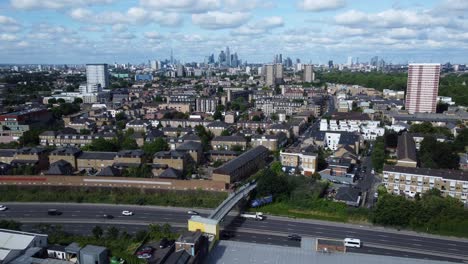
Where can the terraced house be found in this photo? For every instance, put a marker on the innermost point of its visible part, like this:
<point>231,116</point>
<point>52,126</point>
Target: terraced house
<point>411,181</point>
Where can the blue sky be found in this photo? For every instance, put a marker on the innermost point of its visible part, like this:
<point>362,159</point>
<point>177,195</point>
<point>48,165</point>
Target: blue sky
<point>86,31</point>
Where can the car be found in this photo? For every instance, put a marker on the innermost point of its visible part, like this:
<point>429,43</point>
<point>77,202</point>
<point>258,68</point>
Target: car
<point>144,256</point>
<point>3,207</point>
<point>53,212</point>
<point>127,213</point>
<point>163,243</point>
<point>294,237</point>
<point>191,212</point>
<point>107,216</point>
<point>376,195</point>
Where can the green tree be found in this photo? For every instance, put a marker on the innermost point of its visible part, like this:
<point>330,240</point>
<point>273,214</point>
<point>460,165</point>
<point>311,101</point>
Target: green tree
<point>276,167</point>
<point>10,224</point>
<point>225,133</point>
<point>112,233</point>
<point>97,232</point>
<point>159,144</point>
<point>129,143</point>
<point>78,100</point>
<point>378,154</point>
<point>217,115</point>
<point>52,101</point>
<point>120,116</point>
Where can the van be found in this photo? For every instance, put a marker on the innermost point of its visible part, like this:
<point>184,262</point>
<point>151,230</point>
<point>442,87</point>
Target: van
<point>352,242</point>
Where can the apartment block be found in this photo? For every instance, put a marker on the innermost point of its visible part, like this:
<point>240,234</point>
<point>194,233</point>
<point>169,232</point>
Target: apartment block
<point>422,87</point>
<point>411,181</point>
<point>241,167</point>
<point>296,160</point>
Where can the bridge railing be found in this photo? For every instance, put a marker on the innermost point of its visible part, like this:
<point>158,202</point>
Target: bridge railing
<point>226,205</point>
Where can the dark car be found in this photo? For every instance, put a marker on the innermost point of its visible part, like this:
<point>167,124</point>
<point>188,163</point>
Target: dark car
<point>145,252</point>
<point>108,216</point>
<point>53,212</point>
<point>294,237</point>
<point>164,243</point>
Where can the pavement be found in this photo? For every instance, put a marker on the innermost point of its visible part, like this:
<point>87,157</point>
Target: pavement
<point>274,230</point>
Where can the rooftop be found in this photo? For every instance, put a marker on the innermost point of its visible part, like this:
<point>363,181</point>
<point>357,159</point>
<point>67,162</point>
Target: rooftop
<point>447,174</point>
<point>234,252</point>
<point>98,155</point>
<point>406,148</point>
<point>234,164</point>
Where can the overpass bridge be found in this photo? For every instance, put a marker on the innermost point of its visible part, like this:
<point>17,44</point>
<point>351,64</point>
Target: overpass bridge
<point>210,224</point>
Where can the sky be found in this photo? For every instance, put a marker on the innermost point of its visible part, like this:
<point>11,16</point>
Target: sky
<point>135,31</point>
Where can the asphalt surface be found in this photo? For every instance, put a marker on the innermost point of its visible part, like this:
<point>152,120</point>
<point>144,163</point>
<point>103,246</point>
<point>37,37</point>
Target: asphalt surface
<point>78,217</point>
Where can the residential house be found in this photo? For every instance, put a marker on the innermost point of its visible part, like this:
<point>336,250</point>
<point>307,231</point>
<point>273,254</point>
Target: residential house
<point>406,151</point>
<point>173,159</point>
<point>69,154</point>
<point>228,142</point>
<point>411,181</point>
<point>241,167</point>
<point>299,160</point>
<point>217,127</point>
<point>272,142</point>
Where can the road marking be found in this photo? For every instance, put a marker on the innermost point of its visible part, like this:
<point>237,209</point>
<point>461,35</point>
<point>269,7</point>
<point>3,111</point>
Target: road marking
<point>382,236</point>
<point>418,245</point>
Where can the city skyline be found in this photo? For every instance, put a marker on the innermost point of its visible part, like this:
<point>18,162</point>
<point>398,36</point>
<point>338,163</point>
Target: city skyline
<point>79,32</point>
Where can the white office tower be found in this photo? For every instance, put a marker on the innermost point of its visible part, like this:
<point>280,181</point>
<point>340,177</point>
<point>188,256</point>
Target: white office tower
<point>309,75</point>
<point>155,65</point>
<point>97,74</point>
<point>228,57</point>
<point>247,70</point>
<point>422,87</point>
<point>350,61</point>
<point>89,88</point>
<point>269,70</point>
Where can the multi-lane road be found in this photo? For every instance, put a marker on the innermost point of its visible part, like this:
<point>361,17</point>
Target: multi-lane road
<point>81,218</point>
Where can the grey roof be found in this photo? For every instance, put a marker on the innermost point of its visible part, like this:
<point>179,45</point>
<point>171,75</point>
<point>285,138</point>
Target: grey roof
<point>178,257</point>
<point>350,116</point>
<point>27,150</point>
<point>191,137</point>
<point>97,155</point>
<point>130,153</point>
<point>279,126</point>
<point>68,151</point>
<point>190,145</point>
<point>60,167</point>
<point>48,133</point>
<point>406,148</point>
<point>447,174</point>
<point>7,152</point>
<point>233,252</point>
<point>229,139</point>
<point>167,154</point>
<point>223,152</point>
<point>234,164</point>
<point>347,194</point>
<point>91,249</point>
<point>109,171</point>
<point>170,173</point>
<point>73,248</point>
<point>217,124</point>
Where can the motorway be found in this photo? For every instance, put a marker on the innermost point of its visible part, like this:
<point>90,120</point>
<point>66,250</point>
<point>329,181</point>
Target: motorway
<point>81,218</point>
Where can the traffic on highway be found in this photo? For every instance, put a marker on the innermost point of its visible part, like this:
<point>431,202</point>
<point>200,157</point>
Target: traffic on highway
<point>271,230</point>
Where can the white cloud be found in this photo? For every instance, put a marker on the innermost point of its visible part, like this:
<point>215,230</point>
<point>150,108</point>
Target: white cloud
<point>54,4</point>
<point>134,15</point>
<point>390,18</point>
<point>8,37</point>
<point>321,5</point>
<point>119,28</point>
<point>92,28</point>
<point>7,20</point>
<point>403,33</point>
<point>260,27</point>
<point>246,5</point>
<point>454,5</point>
<point>152,35</point>
<point>220,20</point>
<point>190,6</point>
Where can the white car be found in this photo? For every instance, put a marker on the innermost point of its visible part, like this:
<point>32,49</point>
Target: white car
<point>3,207</point>
<point>127,213</point>
<point>191,212</point>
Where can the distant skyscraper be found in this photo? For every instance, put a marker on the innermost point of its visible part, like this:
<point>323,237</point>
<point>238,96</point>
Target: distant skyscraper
<point>180,70</point>
<point>350,61</point>
<point>374,60</point>
<point>97,75</point>
<point>422,88</point>
<point>330,64</point>
<point>222,58</point>
<point>228,57</point>
<point>269,70</point>
<point>172,58</point>
<point>309,75</point>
